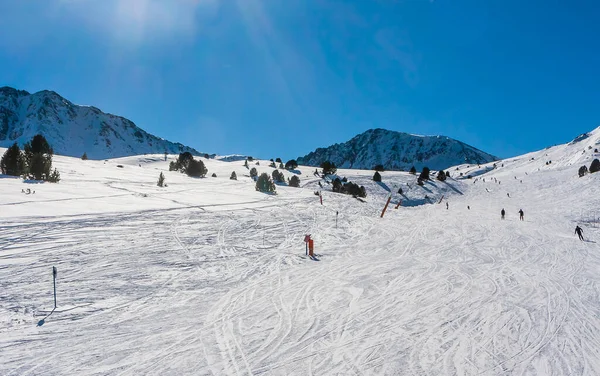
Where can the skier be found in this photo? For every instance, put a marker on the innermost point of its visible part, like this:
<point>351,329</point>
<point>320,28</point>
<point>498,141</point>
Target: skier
<point>502,213</point>
<point>446,206</point>
<point>521,214</point>
<point>579,232</point>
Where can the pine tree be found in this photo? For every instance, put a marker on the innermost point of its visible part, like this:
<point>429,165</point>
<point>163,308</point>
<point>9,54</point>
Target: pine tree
<point>424,174</point>
<point>233,176</point>
<point>278,176</point>
<point>294,181</point>
<point>13,161</point>
<point>328,168</point>
<point>196,168</point>
<point>378,167</point>
<point>253,172</point>
<point>377,176</point>
<point>54,176</point>
<point>595,166</point>
<point>161,180</point>
<point>84,157</point>
<point>264,183</point>
<point>291,164</point>
<point>278,160</point>
<point>214,175</point>
<point>38,156</point>
<point>413,170</point>
<point>441,176</point>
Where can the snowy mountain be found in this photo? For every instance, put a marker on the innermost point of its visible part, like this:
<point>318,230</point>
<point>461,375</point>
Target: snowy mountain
<point>72,129</point>
<point>397,151</point>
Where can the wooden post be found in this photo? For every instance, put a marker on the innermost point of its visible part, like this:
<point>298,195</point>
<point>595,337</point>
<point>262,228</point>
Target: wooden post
<point>311,247</point>
<point>399,203</point>
<point>386,205</point>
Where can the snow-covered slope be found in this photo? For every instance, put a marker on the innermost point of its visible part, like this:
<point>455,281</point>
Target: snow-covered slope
<point>208,276</point>
<point>72,129</point>
<point>397,151</point>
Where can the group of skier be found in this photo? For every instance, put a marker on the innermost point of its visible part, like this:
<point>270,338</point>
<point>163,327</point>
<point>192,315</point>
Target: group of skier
<point>521,214</point>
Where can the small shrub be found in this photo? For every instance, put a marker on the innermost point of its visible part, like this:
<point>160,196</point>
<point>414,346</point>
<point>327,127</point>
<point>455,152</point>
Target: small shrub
<point>214,175</point>
<point>379,168</point>
<point>84,157</point>
<point>583,170</point>
<point>441,176</point>
<point>413,170</point>
<point>54,177</point>
<point>278,160</point>
<point>161,180</point>
<point>424,174</point>
<point>377,176</point>
<point>253,172</point>
<point>281,166</point>
<point>233,176</point>
<point>272,164</point>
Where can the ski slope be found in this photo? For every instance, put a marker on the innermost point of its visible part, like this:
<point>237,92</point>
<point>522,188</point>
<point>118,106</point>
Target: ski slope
<point>209,277</point>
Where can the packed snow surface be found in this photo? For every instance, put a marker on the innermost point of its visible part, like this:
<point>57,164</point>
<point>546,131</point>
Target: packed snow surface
<point>208,276</point>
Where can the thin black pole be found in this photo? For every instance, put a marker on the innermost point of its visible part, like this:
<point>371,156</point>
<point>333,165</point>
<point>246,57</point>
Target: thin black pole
<point>54,278</point>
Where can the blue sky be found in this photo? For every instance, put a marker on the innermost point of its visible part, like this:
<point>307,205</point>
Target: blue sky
<point>279,78</point>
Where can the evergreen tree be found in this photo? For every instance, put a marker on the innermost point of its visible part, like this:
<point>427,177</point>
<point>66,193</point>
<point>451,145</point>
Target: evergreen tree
<point>13,161</point>
<point>291,164</point>
<point>253,172</point>
<point>54,176</point>
<point>447,173</point>
<point>378,167</point>
<point>38,156</point>
<point>424,174</point>
<point>281,167</point>
<point>233,176</point>
<point>595,166</point>
<point>214,175</point>
<point>272,164</point>
<point>441,176</point>
<point>278,176</point>
<point>294,181</point>
<point>161,180</point>
<point>196,168</point>
<point>377,176</point>
<point>328,168</point>
<point>336,186</point>
<point>264,183</point>
<point>413,170</point>
<point>84,157</point>
<point>278,160</point>
<point>246,163</point>
<point>583,170</point>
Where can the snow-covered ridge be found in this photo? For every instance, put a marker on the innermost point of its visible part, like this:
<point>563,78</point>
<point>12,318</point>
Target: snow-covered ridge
<point>397,151</point>
<point>73,129</point>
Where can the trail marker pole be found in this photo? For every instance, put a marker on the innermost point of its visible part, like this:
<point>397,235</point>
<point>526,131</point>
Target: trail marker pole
<point>54,272</point>
<point>321,197</point>
<point>386,205</point>
<point>336,217</point>
<point>399,203</point>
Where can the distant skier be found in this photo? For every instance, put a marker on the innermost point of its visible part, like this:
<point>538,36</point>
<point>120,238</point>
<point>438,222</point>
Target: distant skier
<point>521,214</point>
<point>502,213</point>
<point>447,206</point>
<point>508,195</point>
<point>579,232</point>
<point>468,207</point>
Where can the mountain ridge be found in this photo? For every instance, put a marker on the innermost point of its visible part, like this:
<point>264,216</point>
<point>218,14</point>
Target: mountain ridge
<point>74,129</point>
<point>397,151</point>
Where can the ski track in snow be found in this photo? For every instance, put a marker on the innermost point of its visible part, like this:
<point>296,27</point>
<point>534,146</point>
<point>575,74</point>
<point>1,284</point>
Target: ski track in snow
<point>222,286</point>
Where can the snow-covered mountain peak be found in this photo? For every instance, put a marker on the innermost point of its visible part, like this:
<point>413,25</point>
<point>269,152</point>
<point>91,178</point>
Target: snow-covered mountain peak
<point>73,129</point>
<point>397,151</point>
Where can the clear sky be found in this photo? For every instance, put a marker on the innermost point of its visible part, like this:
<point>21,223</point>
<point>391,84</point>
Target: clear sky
<point>279,78</point>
